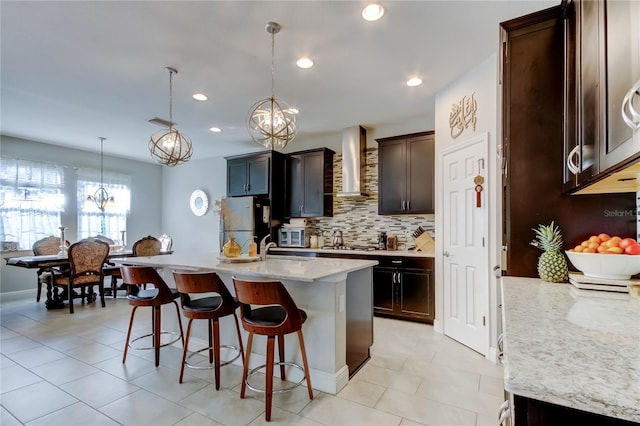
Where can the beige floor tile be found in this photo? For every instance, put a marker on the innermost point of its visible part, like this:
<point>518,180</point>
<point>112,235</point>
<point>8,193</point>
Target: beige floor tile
<point>330,410</point>
<point>64,370</point>
<point>164,382</point>
<point>63,342</point>
<point>104,335</point>
<point>406,422</point>
<point>454,395</point>
<point>292,401</point>
<point>437,373</point>
<point>132,369</point>
<point>6,362</point>
<point>424,410</point>
<point>362,392</point>
<point>78,414</point>
<point>36,356</point>
<point>99,389</point>
<point>16,377</point>
<point>492,385</point>
<point>197,419</point>
<point>16,344</point>
<point>6,419</point>
<point>283,417</point>
<point>224,406</point>
<point>230,375</point>
<point>402,382</point>
<point>5,333</point>
<point>20,402</point>
<point>388,360</point>
<point>93,353</point>
<point>145,408</point>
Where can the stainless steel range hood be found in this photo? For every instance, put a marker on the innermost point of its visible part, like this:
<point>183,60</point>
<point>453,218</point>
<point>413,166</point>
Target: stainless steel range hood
<point>354,142</point>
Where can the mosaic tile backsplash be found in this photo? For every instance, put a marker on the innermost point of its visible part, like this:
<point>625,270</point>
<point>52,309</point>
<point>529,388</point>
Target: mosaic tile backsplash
<point>358,217</point>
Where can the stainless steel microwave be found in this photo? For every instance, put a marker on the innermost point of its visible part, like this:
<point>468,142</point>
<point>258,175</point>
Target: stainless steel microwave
<point>293,237</point>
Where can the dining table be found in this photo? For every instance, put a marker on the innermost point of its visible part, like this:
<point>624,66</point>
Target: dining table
<point>55,262</point>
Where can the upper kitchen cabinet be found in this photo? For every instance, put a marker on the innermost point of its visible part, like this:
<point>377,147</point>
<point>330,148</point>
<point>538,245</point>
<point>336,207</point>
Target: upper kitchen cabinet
<point>406,174</point>
<point>602,63</point>
<point>311,183</point>
<point>248,175</point>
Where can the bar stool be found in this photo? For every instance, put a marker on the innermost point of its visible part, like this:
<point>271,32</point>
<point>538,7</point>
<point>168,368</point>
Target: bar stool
<point>191,287</point>
<point>278,317</point>
<point>155,297</point>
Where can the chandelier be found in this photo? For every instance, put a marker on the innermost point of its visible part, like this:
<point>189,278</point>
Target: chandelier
<point>101,197</point>
<point>272,122</point>
<point>169,146</point>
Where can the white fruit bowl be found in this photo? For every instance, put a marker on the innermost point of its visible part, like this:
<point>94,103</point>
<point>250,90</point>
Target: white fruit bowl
<point>607,266</point>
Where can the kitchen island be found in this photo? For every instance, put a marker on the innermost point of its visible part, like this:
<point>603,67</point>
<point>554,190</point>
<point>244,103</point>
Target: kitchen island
<point>570,357</point>
<point>335,293</point>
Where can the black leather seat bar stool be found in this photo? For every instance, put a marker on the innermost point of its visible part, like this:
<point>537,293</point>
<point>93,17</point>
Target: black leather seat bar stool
<point>155,297</point>
<point>278,316</point>
<point>219,303</point>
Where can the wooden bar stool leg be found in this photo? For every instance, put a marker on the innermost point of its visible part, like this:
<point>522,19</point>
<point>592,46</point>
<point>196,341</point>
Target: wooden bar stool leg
<point>216,350</point>
<point>303,352</point>
<point>210,325</point>
<point>243,387</point>
<point>185,349</point>
<point>126,344</point>
<point>269,387</point>
<point>235,317</point>
<point>281,354</point>
<point>157,321</point>
<point>179,322</point>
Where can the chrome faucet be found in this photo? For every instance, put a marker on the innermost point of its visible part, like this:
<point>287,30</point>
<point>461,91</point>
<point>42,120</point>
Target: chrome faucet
<point>264,247</point>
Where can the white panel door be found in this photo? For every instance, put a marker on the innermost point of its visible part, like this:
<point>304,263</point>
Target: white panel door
<point>465,245</point>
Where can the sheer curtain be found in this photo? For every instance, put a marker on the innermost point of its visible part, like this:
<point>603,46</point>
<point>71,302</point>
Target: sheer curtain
<point>31,200</point>
<point>110,222</point>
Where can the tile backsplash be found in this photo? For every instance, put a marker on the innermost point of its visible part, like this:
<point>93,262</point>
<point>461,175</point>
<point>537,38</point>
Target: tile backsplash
<point>358,217</point>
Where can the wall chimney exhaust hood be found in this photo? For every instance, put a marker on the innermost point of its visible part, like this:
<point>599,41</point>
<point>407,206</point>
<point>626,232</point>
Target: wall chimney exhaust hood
<point>354,143</point>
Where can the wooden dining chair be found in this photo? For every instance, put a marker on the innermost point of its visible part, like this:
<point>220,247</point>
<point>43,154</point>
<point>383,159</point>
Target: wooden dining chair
<point>43,247</point>
<point>86,260</point>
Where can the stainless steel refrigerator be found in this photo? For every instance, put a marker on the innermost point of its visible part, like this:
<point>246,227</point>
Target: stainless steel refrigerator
<point>244,218</point>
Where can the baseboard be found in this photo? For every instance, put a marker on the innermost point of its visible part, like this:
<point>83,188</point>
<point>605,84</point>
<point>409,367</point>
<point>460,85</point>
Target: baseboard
<point>11,296</point>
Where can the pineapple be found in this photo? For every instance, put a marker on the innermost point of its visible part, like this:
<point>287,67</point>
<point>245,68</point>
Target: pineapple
<point>552,266</point>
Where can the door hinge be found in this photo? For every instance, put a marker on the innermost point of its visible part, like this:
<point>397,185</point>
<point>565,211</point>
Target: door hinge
<point>482,241</point>
<point>484,321</point>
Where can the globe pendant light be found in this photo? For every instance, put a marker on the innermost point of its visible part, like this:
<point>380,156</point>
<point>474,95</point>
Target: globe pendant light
<point>101,197</point>
<point>169,146</point>
<point>272,122</point>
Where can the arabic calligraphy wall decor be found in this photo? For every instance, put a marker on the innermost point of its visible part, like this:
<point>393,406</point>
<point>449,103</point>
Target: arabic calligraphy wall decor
<point>462,115</point>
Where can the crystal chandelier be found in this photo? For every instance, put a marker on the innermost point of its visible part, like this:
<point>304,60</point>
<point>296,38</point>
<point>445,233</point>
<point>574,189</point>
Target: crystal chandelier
<point>169,146</point>
<point>101,197</point>
<point>272,122</point>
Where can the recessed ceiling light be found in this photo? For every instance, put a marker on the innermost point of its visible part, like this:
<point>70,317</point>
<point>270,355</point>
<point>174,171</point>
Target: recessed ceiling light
<point>304,63</point>
<point>215,129</point>
<point>200,97</point>
<point>414,82</point>
<point>372,12</point>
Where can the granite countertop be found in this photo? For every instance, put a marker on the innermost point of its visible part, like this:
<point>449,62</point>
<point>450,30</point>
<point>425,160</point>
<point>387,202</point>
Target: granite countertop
<point>572,350</point>
<point>347,253</point>
<point>275,267</point>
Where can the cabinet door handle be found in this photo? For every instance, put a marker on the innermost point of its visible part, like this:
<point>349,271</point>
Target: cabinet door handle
<point>573,160</point>
<point>403,205</point>
<point>408,205</point>
<point>631,117</point>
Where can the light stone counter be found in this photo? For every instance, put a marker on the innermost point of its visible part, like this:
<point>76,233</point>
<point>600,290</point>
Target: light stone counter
<point>571,350</point>
<point>330,290</point>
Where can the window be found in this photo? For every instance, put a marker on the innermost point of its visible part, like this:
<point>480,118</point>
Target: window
<point>31,200</point>
<point>111,221</point>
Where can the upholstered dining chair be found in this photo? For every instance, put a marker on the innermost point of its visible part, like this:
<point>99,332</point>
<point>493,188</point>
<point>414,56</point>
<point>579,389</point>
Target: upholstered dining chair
<point>42,247</point>
<point>86,260</point>
<point>147,246</point>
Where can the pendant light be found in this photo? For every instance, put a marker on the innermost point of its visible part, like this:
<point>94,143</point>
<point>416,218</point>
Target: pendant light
<point>168,146</point>
<point>101,197</point>
<point>272,122</point>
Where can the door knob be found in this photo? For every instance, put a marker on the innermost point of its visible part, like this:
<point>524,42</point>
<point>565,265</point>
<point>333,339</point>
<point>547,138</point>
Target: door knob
<point>446,254</point>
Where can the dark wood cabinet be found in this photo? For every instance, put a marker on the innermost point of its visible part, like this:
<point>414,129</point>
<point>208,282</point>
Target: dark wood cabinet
<point>311,184</point>
<point>406,174</point>
<point>533,149</point>
<point>601,64</point>
<point>248,175</point>
<point>404,288</point>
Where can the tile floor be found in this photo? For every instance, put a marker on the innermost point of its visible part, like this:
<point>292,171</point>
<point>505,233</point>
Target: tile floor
<point>62,369</point>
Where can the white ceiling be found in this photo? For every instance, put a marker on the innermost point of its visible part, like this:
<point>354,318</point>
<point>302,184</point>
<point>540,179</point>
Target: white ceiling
<point>72,71</point>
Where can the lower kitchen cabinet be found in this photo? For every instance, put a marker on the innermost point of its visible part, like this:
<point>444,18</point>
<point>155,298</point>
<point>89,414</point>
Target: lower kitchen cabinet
<point>404,288</point>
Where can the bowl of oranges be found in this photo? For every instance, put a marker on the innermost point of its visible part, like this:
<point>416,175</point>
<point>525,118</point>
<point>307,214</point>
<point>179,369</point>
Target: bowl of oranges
<point>606,257</point>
